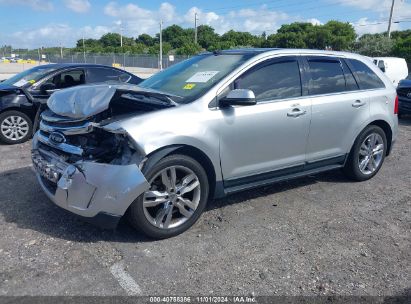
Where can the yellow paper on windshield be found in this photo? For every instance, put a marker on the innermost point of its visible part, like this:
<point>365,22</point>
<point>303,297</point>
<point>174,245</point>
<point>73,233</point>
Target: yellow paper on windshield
<point>31,81</point>
<point>189,86</point>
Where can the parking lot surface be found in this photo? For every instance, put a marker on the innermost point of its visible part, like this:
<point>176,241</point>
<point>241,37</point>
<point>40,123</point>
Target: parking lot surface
<point>319,235</point>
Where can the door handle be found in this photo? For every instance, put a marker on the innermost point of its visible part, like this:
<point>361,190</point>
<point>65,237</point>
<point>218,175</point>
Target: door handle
<point>296,112</point>
<point>358,103</point>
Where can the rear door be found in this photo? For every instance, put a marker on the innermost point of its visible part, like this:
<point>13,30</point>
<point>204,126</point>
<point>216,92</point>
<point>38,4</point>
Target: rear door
<point>339,109</point>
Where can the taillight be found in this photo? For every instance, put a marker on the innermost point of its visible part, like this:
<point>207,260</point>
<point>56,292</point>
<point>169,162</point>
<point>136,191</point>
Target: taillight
<point>396,105</point>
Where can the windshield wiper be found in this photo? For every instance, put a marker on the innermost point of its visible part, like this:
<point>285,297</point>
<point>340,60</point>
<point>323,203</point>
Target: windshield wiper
<point>151,99</point>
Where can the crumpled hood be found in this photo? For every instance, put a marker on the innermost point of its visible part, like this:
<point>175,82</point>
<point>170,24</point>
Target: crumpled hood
<point>88,100</point>
<point>81,102</point>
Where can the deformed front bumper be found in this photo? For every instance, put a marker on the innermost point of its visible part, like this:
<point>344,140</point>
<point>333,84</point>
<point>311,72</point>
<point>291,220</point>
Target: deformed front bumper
<point>92,190</point>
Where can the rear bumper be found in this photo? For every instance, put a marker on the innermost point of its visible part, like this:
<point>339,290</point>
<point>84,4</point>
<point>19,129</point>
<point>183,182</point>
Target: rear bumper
<point>100,192</point>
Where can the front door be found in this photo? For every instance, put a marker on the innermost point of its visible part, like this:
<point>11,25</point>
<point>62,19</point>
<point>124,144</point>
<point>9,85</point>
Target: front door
<point>271,135</point>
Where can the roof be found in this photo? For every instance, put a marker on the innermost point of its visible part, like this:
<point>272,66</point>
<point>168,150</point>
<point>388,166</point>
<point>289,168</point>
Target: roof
<point>269,51</point>
<point>71,65</point>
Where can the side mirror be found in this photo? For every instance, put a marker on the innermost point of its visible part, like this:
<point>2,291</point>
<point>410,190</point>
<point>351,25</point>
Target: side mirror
<point>48,88</point>
<point>238,97</point>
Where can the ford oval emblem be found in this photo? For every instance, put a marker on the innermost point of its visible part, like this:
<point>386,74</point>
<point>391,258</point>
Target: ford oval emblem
<point>57,138</point>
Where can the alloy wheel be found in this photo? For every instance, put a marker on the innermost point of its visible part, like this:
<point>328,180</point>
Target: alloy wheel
<point>14,127</point>
<point>173,197</point>
<point>371,153</point>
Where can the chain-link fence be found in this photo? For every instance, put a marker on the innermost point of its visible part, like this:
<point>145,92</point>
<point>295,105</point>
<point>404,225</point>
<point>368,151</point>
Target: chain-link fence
<point>119,60</point>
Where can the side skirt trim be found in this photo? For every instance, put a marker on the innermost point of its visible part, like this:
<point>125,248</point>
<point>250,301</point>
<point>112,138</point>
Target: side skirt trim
<point>249,182</point>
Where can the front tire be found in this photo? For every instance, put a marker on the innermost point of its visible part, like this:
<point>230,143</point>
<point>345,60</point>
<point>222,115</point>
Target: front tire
<point>367,154</point>
<point>177,196</point>
<point>15,127</point>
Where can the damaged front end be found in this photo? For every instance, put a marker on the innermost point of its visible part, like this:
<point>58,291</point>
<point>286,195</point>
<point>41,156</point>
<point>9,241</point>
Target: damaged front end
<point>84,167</point>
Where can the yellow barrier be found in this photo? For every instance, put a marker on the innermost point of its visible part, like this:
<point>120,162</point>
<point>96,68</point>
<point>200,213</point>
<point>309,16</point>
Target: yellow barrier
<point>116,65</point>
<point>6,61</point>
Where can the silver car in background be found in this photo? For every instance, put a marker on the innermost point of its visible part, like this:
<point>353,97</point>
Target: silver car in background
<point>215,124</point>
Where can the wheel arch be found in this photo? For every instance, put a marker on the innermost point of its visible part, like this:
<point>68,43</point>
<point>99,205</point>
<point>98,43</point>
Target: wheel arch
<point>26,111</point>
<point>193,152</point>
<point>387,130</point>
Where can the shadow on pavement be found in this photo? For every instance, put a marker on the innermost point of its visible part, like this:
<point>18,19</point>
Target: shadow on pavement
<point>23,203</point>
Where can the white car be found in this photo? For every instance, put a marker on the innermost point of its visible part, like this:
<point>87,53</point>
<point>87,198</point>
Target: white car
<point>394,68</point>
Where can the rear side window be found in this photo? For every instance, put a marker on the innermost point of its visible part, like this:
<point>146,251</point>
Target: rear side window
<point>366,77</point>
<point>106,74</point>
<point>350,82</point>
<point>327,76</point>
<point>276,80</point>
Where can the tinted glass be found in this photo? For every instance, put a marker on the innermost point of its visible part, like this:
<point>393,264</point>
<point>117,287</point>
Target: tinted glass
<point>326,76</point>
<point>67,79</point>
<point>350,83</point>
<point>278,80</point>
<point>193,77</point>
<point>104,74</point>
<point>366,77</point>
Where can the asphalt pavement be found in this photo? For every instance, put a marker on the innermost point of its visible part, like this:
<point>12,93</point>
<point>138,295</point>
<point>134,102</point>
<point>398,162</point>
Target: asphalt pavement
<point>318,235</point>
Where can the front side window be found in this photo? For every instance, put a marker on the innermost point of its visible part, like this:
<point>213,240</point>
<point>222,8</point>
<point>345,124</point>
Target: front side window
<point>279,79</point>
<point>326,76</point>
<point>67,79</point>
<point>366,77</point>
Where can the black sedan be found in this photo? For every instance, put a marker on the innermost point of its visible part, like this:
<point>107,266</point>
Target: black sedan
<point>22,95</point>
<point>404,96</point>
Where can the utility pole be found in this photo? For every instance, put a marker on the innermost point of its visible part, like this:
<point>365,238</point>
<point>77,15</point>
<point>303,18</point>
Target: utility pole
<point>390,21</point>
<point>84,51</point>
<point>121,34</point>
<point>161,46</point>
<point>195,28</point>
<point>61,51</point>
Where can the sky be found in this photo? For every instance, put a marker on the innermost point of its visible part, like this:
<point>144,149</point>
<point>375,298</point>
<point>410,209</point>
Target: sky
<point>36,23</point>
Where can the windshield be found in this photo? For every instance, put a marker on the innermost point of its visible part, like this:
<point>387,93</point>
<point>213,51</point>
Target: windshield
<point>29,76</point>
<point>195,76</point>
<point>408,77</point>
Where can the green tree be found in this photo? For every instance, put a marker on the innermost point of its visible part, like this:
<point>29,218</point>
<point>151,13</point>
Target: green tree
<point>206,36</point>
<point>189,48</point>
<point>146,40</point>
<point>374,45</point>
<point>342,35</point>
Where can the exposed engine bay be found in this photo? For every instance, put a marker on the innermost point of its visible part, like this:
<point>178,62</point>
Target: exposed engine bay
<point>74,129</point>
<point>82,164</point>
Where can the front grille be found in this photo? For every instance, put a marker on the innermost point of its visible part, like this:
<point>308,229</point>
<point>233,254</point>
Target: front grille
<point>51,122</point>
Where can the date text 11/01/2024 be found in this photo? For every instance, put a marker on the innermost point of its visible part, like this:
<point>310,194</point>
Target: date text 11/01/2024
<point>203,299</point>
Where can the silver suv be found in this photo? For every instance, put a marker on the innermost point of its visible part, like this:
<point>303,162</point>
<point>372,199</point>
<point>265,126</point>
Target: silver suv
<point>215,124</point>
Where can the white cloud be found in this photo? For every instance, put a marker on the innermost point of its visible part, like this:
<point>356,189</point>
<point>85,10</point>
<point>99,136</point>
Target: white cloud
<point>78,6</point>
<point>38,5</point>
<point>133,20</point>
<point>364,26</point>
<point>314,21</point>
<point>54,35</point>
<point>401,8</point>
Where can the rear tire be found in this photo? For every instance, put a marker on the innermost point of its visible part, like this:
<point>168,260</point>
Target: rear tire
<point>367,154</point>
<point>15,127</point>
<point>177,196</point>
